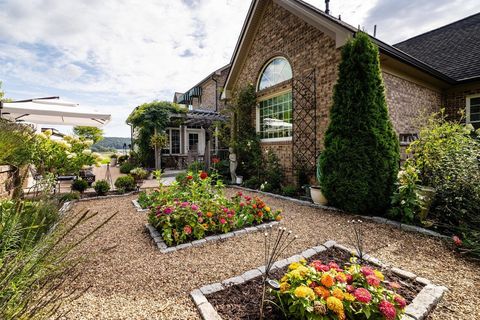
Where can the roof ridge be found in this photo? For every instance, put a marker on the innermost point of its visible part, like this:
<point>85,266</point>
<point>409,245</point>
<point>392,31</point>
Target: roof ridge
<point>436,29</point>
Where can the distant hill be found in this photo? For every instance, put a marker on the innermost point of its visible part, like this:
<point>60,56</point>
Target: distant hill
<point>110,144</point>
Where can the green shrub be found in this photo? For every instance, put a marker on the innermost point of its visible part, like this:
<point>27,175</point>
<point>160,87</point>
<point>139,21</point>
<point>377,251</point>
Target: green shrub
<point>360,162</point>
<point>126,167</point>
<point>289,191</point>
<point>139,174</point>
<point>114,156</point>
<point>75,195</point>
<point>181,177</point>
<point>122,159</point>
<point>446,155</point>
<point>273,171</point>
<point>79,185</point>
<point>101,187</point>
<point>405,201</point>
<point>125,183</point>
<point>252,183</point>
<point>196,166</point>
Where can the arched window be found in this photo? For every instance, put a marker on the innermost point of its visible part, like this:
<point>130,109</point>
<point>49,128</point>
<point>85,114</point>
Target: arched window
<point>276,71</point>
<point>274,112</point>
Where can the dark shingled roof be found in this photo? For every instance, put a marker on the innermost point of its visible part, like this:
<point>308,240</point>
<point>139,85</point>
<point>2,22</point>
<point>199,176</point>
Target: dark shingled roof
<point>454,49</point>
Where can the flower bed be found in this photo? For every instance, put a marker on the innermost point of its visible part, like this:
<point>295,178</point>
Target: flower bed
<point>335,289</point>
<point>196,207</point>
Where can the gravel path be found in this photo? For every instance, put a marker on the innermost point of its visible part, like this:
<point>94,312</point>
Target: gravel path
<point>131,279</point>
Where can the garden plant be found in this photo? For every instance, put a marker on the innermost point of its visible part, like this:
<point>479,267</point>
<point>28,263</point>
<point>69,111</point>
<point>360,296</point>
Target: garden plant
<point>196,207</point>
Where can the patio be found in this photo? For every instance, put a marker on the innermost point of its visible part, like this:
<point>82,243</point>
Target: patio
<point>130,279</point>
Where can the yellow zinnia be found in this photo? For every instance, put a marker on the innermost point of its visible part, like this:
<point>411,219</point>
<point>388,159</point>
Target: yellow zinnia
<point>379,275</point>
<point>294,265</point>
<point>348,296</point>
<point>335,305</point>
<point>305,292</point>
<point>338,293</point>
<point>284,286</point>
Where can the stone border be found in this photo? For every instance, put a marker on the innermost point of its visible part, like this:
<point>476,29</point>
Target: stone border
<point>138,207</point>
<point>162,246</point>
<point>420,307</point>
<point>393,223</point>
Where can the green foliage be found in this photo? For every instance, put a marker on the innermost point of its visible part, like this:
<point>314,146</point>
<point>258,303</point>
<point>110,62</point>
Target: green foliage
<point>139,174</point>
<point>196,207</point>
<point>150,119</point>
<point>101,187</point>
<point>405,201</point>
<point>360,162</point>
<point>79,185</point>
<point>125,184</point>
<point>69,196</point>
<point>273,172</point>
<point>122,159</point>
<point>196,166</point>
<point>446,155</point>
<point>88,133</point>
<point>253,182</point>
<point>126,167</point>
<point>289,191</point>
<point>16,143</point>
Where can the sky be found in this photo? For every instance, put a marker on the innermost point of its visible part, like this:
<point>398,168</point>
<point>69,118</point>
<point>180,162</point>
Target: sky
<point>112,55</point>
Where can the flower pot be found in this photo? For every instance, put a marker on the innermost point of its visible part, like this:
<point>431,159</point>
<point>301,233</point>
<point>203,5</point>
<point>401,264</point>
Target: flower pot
<point>239,180</point>
<point>113,162</point>
<point>317,196</point>
<point>426,195</point>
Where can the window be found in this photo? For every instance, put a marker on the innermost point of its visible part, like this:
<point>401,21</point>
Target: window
<point>173,138</point>
<point>473,111</point>
<point>276,71</point>
<point>275,117</point>
<point>193,141</point>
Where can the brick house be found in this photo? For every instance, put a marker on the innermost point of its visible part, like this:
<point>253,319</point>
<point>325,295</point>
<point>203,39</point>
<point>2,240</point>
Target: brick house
<point>290,51</point>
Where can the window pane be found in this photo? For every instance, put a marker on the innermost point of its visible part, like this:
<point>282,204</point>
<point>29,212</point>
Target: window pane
<point>276,120</point>
<point>278,70</point>
<point>175,141</point>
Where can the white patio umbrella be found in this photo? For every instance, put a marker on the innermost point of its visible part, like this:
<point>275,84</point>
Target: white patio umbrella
<point>51,112</point>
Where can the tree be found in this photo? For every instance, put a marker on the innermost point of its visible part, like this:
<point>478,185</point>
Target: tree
<point>360,162</point>
<point>150,119</point>
<point>89,133</point>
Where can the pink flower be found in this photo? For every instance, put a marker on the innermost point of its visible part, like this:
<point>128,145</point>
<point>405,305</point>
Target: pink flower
<point>362,295</point>
<point>373,280</point>
<point>187,229</point>
<point>400,301</point>
<point>199,213</point>
<point>333,265</point>
<point>349,278</point>
<point>167,210</point>
<point>239,194</point>
<point>223,221</point>
<point>394,285</point>
<point>387,309</point>
<point>229,215</point>
<point>457,241</point>
<point>200,220</point>
<point>248,198</point>
<point>242,204</point>
<point>366,271</point>
<point>184,204</point>
<point>350,288</point>
<point>194,207</point>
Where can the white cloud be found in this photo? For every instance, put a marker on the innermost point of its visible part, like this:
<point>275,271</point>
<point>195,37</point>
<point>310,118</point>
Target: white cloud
<point>115,54</point>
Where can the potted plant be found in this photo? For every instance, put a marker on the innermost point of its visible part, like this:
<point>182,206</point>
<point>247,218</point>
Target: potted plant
<point>316,191</point>
<point>113,160</point>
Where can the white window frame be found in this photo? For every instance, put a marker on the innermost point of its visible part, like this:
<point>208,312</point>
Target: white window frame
<point>468,99</point>
<point>265,67</point>
<point>257,117</point>
<point>170,141</point>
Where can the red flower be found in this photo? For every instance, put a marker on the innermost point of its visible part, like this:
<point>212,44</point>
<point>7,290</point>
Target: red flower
<point>189,177</point>
<point>242,204</point>
<point>313,285</point>
<point>366,271</point>
<point>349,278</point>
<point>223,221</point>
<point>362,295</point>
<point>239,193</point>
<point>387,309</point>
<point>400,301</point>
<point>203,175</point>
<point>373,280</point>
<point>350,288</point>
<point>457,241</point>
<point>333,265</point>
<point>215,160</point>
<point>187,229</point>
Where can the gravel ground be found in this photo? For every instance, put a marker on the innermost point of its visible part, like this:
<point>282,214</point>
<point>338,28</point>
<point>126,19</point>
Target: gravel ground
<point>130,279</point>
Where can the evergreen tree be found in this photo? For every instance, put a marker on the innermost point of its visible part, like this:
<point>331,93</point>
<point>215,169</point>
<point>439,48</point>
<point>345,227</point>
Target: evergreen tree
<point>360,162</point>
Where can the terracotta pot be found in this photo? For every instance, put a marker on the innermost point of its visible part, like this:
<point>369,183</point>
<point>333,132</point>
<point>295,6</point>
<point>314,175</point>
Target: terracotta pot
<point>317,196</point>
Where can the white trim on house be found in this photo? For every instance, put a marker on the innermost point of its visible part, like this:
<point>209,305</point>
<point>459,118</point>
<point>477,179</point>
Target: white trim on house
<point>468,101</point>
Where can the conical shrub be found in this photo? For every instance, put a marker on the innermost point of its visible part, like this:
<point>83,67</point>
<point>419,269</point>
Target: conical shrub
<point>360,162</point>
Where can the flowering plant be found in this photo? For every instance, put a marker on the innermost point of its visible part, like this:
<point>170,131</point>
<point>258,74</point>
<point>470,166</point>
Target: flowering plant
<point>326,291</point>
<point>196,207</point>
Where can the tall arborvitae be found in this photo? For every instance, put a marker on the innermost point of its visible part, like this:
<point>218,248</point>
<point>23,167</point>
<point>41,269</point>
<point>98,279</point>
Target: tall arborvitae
<point>360,162</point>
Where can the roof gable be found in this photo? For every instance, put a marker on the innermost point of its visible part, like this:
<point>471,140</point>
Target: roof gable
<point>453,49</point>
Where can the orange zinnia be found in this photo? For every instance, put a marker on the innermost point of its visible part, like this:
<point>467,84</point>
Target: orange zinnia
<point>209,214</point>
<point>327,280</point>
<point>322,292</point>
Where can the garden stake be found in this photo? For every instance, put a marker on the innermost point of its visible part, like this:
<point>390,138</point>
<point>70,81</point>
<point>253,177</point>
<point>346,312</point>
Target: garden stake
<point>272,252</point>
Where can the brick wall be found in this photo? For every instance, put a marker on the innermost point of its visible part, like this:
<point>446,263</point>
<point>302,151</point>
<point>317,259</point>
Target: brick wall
<point>455,98</point>
<point>5,181</point>
<point>409,103</point>
<point>212,92</point>
<point>280,33</point>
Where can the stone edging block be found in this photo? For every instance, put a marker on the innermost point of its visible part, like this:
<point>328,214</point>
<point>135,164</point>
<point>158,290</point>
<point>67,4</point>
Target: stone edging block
<point>138,207</point>
<point>380,220</point>
<point>162,246</point>
<point>421,305</point>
